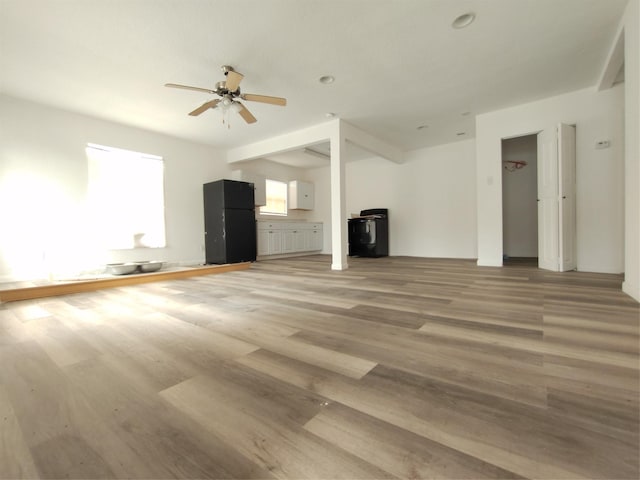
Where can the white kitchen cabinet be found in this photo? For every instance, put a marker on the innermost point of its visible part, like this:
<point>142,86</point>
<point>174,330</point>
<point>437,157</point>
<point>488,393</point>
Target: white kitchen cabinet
<point>272,242</point>
<point>299,240</point>
<point>259,185</point>
<point>277,238</point>
<point>276,243</point>
<point>263,243</point>
<point>270,238</point>
<point>301,195</point>
<point>288,241</point>
<point>313,239</point>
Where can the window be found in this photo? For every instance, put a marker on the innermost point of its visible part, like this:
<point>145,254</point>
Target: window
<point>126,198</point>
<point>276,198</point>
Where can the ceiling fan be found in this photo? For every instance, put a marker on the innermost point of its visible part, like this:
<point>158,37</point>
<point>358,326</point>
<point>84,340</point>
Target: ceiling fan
<point>229,92</point>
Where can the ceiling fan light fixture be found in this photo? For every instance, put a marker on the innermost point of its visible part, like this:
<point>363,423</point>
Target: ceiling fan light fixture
<point>464,20</point>
<point>228,90</point>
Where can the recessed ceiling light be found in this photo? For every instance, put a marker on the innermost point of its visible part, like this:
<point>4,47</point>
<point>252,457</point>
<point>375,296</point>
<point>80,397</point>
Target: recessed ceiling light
<point>421,127</point>
<point>326,79</point>
<point>464,20</point>
<point>461,133</point>
<point>464,114</point>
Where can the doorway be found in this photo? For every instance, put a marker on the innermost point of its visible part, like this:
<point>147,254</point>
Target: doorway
<point>519,200</point>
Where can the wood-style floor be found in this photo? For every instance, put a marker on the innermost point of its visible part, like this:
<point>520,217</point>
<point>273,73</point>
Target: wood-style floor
<point>398,367</point>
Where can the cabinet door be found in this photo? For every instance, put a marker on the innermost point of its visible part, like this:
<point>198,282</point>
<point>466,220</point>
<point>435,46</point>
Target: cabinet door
<point>275,242</point>
<point>263,242</point>
<point>288,241</point>
<point>260,191</point>
<point>299,241</point>
<point>313,240</point>
<point>301,195</point>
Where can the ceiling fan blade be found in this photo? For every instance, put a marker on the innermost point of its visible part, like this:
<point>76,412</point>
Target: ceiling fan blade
<point>233,80</point>
<point>246,114</point>
<point>264,99</point>
<point>204,107</point>
<point>187,87</point>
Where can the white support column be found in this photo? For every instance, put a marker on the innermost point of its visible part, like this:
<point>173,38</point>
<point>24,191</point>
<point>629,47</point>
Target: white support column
<point>338,207</point>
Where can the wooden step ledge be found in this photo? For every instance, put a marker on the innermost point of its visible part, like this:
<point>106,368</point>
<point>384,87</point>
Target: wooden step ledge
<point>28,293</point>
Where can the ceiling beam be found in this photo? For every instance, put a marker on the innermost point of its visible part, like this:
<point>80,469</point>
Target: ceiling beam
<point>614,62</point>
<point>313,135</point>
<point>371,144</point>
<point>283,143</point>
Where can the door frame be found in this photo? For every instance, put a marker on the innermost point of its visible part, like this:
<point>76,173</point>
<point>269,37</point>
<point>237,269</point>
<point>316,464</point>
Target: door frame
<point>556,245</point>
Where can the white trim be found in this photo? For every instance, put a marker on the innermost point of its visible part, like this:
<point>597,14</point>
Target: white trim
<point>614,61</point>
<point>104,148</point>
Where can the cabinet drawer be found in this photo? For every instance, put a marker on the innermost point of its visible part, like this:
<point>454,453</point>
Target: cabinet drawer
<point>270,225</point>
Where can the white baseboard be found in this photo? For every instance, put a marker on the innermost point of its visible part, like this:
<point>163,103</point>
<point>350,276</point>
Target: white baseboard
<point>287,255</point>
<point>186,263</point>
<point>483,262</point>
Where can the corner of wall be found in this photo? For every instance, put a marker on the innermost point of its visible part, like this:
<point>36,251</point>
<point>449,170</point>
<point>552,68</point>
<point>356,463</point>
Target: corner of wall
<point>631,285</point>
<point>632,290</point>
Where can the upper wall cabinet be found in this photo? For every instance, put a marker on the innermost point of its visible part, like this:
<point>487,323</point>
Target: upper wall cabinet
<point>259,184</point>
<point>300,195</point>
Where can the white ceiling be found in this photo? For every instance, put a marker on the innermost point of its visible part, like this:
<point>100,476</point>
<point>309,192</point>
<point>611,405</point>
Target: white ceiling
<point>397,64</point>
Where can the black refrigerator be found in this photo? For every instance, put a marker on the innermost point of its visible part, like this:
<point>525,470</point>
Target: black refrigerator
<point>229,222</point>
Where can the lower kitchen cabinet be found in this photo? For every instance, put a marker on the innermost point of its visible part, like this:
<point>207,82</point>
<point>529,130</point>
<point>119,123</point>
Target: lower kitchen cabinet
<point>277,238</point>
<point>313,239</point>
<point>270,242</point>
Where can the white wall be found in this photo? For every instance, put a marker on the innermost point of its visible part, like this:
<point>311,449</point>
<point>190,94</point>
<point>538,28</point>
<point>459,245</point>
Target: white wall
<point>43,178</point>
<point>631,23</point>
<point>430,197</point>
<point>519,194</point>
<point>436,214</point>
<point>600,198</point>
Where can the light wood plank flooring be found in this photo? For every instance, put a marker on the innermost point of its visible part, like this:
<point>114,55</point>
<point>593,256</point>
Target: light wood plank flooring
<point>398,367</point>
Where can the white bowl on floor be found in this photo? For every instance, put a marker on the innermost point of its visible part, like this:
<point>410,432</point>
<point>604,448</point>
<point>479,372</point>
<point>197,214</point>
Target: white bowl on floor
<point>147,267</point>
<point>121,268</point>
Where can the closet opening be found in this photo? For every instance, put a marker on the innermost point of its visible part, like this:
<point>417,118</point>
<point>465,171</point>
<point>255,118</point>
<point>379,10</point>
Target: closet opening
<point>519,200</point>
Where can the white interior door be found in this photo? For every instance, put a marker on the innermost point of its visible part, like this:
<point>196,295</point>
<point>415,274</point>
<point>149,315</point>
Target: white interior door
<point>557,199</point>
<point>567,196</point>
<point>548,234</point>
